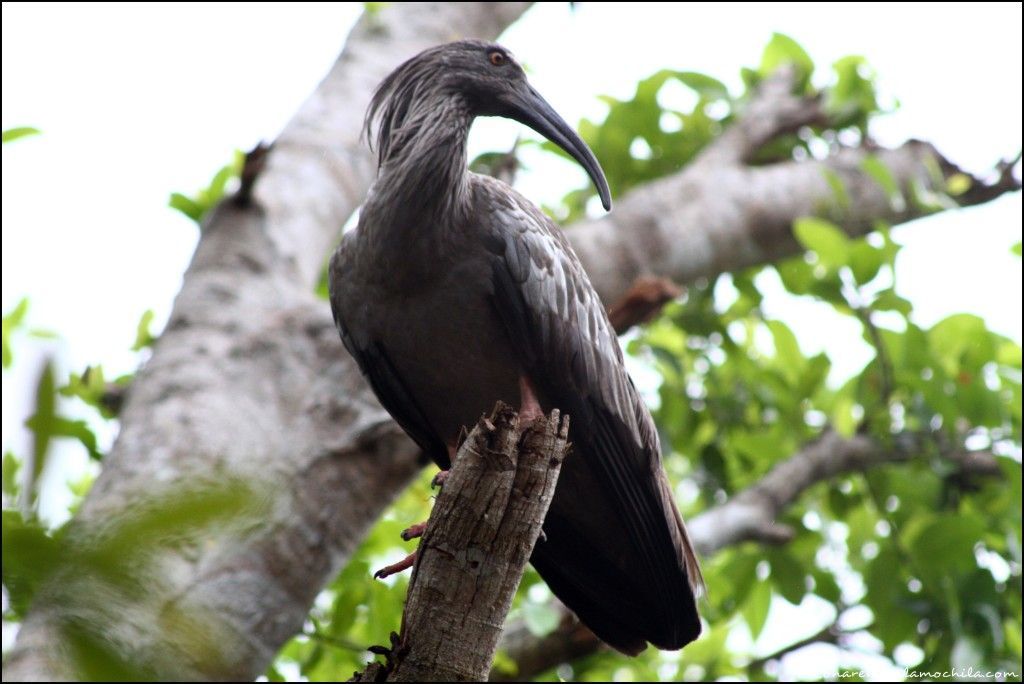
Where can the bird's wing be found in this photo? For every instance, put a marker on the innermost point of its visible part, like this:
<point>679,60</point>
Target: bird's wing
<point>376,367</point>
<point>559,327</point>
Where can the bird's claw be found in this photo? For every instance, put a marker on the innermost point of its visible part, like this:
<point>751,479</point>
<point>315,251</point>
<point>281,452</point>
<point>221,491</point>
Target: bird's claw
<point>439,479</point>
<point>396,568</point>
<point>414,531</point>
<point>390,654</point>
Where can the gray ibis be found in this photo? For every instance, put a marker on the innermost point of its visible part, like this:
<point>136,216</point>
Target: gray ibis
<point>454,291</point>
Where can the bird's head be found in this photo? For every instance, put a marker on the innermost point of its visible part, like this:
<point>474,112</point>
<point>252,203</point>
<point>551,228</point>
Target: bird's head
<point>485,79</point>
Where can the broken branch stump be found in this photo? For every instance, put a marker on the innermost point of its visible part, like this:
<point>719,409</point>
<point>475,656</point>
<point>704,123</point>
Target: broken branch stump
<point>472,556</point>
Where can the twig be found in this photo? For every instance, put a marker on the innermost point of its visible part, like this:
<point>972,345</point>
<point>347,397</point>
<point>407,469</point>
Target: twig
<point>828,635</point>
<point>642,302</point>
<point>881,353</point>
<point>336,642</point>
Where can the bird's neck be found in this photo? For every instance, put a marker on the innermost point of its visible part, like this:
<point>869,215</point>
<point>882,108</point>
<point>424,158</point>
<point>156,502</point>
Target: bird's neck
<point>423,183</point>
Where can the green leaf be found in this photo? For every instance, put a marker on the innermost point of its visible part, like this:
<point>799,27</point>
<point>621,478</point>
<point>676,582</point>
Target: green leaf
<point>865,261</point>
<point>43,334</point>
<point>852,99</point>
<point>888,300</point>
<point>273,674</point>
<point>880,173</point>
<point>812,376</point>
<point>196,207</point>
<point>762,446</point>
<point>860,521</point>
<point>11,322</point>
<point>59,426</point>
<point>11,466</point>
<point>824,239</point>
<point>1013,636</point>
<point>796,274</point>
<point>945,544</point>
<point>29,556</point>
<point>704,85</point>
<point>1009,354</point>
<point>1015,249</point>
<point>143,337</point>
<point>751,77</point>
<point>89,386</point>
<point>755,609</point>
<point>42,423</point>
<point>783,50</point>
<point>958,184</point>
<point>843,418</point>
<point>825,585</point>
<point>12,134</point>
<point>373,8</point>
<point>884,578</point>
<point>839,193</point>
<point>787,349</point>
<point>962,342</point>
<point>791,360</point>
<point>186,205</point>
<point>788,575</point>
<point>505,664</point>
<point>737,578</point>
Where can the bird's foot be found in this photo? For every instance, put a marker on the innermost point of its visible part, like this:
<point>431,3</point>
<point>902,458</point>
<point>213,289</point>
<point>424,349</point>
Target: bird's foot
<point>530,410</point>
<point>438,481</point>
<point>414,531</point>
<point>396,568</point>
<point>390,654</point>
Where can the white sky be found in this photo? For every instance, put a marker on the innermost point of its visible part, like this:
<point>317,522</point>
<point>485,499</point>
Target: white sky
<point>138,101</point>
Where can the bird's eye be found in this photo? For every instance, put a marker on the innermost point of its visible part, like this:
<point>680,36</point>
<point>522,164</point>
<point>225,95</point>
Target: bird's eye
<point>497,58</point>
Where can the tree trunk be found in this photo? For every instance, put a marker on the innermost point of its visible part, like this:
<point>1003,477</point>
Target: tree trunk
<point>248,384</point>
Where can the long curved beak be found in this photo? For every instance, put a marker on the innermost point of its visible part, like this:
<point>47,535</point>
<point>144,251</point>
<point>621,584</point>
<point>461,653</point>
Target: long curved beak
<point>526,106</point>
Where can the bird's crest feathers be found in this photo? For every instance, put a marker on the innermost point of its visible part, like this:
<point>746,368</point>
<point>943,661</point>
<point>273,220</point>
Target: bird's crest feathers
<point>397,94</point>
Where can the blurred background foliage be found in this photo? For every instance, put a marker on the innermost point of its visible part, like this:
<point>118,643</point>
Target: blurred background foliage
<point>910,562</point>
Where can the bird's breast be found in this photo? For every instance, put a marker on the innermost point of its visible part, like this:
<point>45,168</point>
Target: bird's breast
<point>448,345</point>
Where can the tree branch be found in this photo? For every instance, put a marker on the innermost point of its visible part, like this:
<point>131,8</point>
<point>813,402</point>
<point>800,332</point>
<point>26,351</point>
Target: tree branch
<point>774,111</point>
<point>750,515</point>
<point>827,635</point>
<point>642,302</point>
<point>718,214</point>
<point>248,383</point>
<point>481,533</point>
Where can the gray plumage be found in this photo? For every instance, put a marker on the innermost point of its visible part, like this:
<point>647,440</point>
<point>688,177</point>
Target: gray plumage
<point>453,286</point>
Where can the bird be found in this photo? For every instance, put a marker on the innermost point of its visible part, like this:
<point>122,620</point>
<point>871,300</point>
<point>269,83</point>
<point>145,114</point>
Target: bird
<point>454,291</point>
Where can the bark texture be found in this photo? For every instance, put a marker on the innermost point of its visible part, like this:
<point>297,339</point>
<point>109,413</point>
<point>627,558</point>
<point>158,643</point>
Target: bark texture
<point>249,383</point>
<point>481,533</point>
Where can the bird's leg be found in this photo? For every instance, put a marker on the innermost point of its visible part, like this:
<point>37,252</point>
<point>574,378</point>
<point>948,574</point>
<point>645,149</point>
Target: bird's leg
<point>442,475</point>
<point>401,565</point>
<point>414,531</point>
<point>417,530</point>
<point>529,409</point>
